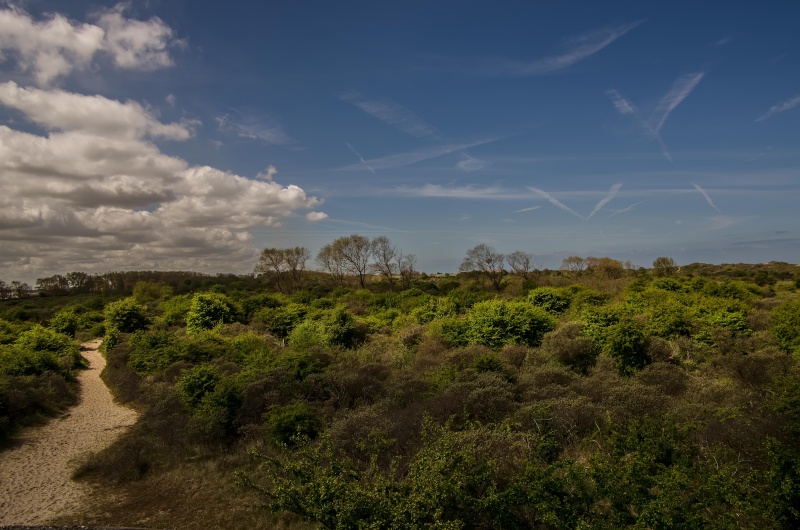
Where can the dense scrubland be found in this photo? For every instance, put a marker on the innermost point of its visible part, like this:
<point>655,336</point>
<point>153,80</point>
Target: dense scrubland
<point>598,396</point>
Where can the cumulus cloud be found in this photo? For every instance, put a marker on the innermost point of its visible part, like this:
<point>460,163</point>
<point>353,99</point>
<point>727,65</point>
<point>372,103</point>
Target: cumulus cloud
<point>53,46</point>
<point>316,216</point>
<point>93,192</point>
<point>67,111</point>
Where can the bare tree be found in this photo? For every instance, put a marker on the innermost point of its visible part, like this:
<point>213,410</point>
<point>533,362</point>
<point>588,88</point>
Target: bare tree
<point>384,254</point>
<point>284,266</point>
<point>521,263</point>
<point>329,262</point>
<point>485,259</point>
<point>574,264</point>
<point>347,256</point>
<point>406,264</point>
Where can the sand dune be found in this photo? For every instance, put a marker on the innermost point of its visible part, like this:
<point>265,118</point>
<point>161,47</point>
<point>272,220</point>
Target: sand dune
<point>35,483</point>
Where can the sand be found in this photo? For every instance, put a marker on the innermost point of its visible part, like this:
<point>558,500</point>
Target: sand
<point>35,484</point>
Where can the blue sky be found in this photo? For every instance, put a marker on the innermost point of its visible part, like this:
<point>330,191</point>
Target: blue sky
<point>190,134</point>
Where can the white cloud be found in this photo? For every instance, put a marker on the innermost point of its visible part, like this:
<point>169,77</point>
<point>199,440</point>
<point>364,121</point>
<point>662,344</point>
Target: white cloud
<point>263,129</point>
<point>54,46</point>
<point>93,193</point>
<point>406,159</point>
<point>268,174</point>
<point>66,111</point>
<point>392,114</point>
<point>136,44</point>
<point>780,107</point>
<point>576,49</point>
<point>316,216</point>
<point>470,164</point>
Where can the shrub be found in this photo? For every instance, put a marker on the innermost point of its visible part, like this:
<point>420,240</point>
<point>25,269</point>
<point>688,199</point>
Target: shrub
<point>497,323</point>
<point>198,381</point>
<point>627,344</point>
<point>41,350</point>
<point>65,321</point>
<point>786,325</point>
<point>209,310</point>
<point>571,348</point>
<point>126,315</point>
<point>285,424</point>
<point>280,321</point>
<point>144,292</point>
<point>551,299</point>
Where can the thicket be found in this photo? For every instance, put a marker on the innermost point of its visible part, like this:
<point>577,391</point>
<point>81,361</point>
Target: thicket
<point>563,400</point>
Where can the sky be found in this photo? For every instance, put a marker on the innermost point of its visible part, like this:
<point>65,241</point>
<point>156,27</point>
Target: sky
<point>190,134</point>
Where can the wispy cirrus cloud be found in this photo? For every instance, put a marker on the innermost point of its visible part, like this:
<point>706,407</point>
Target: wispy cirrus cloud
<point>406,159</point>
<point>780,107</point>
<point>392,114</point>
<point>458,192</point>
<point>266,130</point>
<point>706,196</point>
<point>577,49</point>
<point>527,209</point>
<point>652,126</point>
<point>402,119</point>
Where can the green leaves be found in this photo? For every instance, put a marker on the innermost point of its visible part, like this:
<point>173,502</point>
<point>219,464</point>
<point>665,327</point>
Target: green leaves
<point>209,310</point>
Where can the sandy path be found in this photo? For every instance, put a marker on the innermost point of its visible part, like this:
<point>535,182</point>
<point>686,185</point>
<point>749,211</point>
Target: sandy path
<point>35,483</point>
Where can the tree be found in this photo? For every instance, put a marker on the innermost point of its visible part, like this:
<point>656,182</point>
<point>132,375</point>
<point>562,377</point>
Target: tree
<point>331,263</point>
<point>284,266</point>
<point>574,264</point>
<point>664,266</point>
<point>406,264</point>
<point>347,256</point>
<point>20,289</point>
<point>486,260</point>
<point>384,254</point>
<point>521,263</point>
<point>606,267</point>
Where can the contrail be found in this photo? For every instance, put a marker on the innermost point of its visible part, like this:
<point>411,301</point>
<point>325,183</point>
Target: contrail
<point>611,194</point>
<point>556,202</point>
<point>679,91</point>
<point>707,197</point>
<point>625,209</point>
<point>360,158</point>
<point>527,209</point>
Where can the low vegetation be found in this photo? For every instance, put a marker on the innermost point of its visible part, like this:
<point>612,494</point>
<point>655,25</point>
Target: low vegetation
<point>598,396</point>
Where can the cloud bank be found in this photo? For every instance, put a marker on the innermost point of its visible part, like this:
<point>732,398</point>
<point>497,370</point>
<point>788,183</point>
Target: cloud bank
<point>91,190</point>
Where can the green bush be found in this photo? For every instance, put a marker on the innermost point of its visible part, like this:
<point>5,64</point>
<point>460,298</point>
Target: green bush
<point>497,323</point>
<point>281,320</point>
<point>41,350</point>
<point>209,310</point>
<point>144,292</point>
<point>126,315</point>
<point>626,343</point>
<point>287,424</point>
<point>197,382</point>
<point>65,321</point>
<point>551,299</point>
<point>786,325</point>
